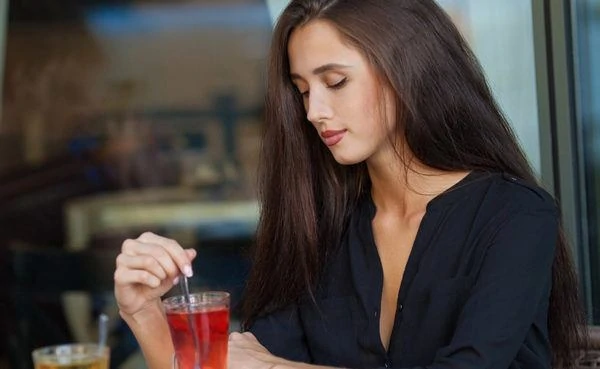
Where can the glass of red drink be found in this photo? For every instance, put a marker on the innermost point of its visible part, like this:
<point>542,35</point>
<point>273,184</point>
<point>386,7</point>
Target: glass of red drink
<point>203,322</point>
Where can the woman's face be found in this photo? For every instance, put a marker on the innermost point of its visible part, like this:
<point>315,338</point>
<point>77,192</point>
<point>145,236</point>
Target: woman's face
<point>341,93</point>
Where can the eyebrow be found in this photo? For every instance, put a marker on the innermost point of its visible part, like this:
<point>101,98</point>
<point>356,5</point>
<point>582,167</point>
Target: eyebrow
<point>322,69</point>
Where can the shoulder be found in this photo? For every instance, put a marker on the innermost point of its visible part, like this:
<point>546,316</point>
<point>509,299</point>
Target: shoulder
<point>505,191</point>
<point>525,196</point>
<point>489,202</point>
<point>511,219</point>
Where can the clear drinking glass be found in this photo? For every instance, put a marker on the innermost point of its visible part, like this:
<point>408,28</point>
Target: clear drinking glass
<point>71,356</point>
<point>199,329</point>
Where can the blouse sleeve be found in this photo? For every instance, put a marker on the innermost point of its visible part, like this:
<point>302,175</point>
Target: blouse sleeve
<point>513,282</point>
<point>282,334</point>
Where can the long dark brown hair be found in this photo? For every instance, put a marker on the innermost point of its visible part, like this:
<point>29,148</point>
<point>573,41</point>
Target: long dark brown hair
<point>449,120</point>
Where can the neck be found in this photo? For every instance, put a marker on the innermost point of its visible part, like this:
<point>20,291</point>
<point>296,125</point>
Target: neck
<point>406,188</point>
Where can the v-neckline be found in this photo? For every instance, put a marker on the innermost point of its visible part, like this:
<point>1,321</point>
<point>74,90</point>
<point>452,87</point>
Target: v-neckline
<point>416,252</point>
<point>408,275</point>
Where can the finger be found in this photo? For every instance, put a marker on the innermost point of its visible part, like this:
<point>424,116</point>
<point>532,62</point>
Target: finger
<point>235,336</point>
<point>243,340</point>
<point>164,258</point>
<point>142,262</point>
<point>158,251</point>
<point>173,248</point>
<point>132,247</point>
<point>249,335</point>
<point>191,253</point>
<point>136,248</point>
<point>136,276</point>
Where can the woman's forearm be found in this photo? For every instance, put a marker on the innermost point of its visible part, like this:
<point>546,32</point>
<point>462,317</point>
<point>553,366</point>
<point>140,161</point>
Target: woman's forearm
<point>152,333</point>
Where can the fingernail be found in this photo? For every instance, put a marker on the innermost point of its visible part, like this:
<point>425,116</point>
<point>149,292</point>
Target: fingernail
<point>175,281</point>
<point>187,270</point>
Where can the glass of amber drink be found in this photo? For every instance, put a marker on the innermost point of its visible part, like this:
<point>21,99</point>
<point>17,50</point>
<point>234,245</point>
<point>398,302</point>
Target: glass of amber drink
<point>71,356</point>
<point>199,329</point>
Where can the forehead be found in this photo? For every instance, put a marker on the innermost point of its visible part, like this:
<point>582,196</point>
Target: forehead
<point>317,43</point>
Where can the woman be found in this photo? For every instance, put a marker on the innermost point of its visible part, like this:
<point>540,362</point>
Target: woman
<point>401,224</point>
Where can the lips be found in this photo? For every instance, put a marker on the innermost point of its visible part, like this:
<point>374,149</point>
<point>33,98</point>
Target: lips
<point>333,137</point>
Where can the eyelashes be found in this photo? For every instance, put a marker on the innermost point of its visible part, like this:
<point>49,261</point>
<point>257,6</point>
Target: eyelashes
<point>338,85</point>
<point>335,86</point>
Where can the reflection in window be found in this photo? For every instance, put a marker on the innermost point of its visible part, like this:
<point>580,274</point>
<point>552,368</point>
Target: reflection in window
<point>124,95</point>
<point>123,116</point>
<point>587,59</point>
<point>501,35</point>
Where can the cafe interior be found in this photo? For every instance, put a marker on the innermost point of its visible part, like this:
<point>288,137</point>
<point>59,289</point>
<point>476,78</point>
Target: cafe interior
<point>125,116</point>
<point>120,117</point>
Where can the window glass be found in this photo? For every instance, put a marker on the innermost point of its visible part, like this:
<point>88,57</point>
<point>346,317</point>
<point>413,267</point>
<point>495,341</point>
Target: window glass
<point>124,116</point>
<point>144,103</point>
<point>586,31</point>
<point>501,36</point>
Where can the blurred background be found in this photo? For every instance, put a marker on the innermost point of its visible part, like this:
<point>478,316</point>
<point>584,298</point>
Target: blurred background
<point>122,116</point>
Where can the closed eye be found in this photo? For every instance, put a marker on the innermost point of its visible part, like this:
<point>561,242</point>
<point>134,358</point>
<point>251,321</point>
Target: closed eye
<point>338,85</point>
<point>335,86</point>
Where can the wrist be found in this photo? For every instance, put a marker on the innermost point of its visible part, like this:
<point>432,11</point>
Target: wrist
<point>147,316</point>
<point>150,328</point>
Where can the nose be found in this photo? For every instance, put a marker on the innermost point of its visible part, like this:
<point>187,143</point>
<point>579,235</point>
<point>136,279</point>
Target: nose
<point>317,108</point>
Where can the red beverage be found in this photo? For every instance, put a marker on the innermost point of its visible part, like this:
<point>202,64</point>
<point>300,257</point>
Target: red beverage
<point>210,323</point>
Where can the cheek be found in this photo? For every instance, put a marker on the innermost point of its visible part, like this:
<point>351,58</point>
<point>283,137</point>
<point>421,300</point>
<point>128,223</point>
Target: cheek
<point>363,110</point>
<point>373,116</point>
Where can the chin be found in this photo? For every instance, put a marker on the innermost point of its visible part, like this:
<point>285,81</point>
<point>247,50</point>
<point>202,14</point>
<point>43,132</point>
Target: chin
<point>347,160</point>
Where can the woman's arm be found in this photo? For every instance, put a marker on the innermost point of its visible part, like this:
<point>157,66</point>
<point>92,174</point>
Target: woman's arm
<point>146,269</point>
<point>152,333</point>
<point>245,352</point>
<point>510,298</point>
<point>281,332</point>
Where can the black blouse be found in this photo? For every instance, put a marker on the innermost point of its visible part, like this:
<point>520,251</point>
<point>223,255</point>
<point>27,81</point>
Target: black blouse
<point>474,294</point>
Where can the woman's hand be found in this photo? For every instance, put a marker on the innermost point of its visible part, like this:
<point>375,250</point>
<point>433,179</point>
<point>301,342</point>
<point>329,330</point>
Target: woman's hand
<point>147,268</point>
<point>245,352</point>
